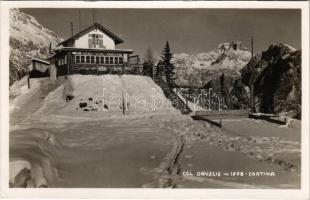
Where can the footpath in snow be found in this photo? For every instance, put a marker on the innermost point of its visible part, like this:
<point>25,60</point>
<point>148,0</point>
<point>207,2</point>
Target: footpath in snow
<point>56,143</point>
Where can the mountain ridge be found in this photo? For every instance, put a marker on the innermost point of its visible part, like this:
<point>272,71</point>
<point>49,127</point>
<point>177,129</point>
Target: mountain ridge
<point>227,58</point>
<point>28,39</point>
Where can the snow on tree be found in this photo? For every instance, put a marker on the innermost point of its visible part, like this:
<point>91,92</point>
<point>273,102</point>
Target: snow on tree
<point>168,66</point>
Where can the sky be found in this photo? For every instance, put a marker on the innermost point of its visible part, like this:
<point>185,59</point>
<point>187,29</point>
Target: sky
<point>187,30</point>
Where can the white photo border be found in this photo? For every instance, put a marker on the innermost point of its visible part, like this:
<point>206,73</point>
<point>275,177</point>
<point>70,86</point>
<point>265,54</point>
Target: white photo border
<point>7,192</point>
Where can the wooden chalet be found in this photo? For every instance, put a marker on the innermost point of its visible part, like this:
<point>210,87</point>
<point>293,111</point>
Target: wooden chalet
<point>91,51</point>
<point>40,68</point>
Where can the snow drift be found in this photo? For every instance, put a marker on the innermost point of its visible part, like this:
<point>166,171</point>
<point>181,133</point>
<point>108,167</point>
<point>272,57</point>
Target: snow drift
<point>106,95</point>
<point>32,161</point>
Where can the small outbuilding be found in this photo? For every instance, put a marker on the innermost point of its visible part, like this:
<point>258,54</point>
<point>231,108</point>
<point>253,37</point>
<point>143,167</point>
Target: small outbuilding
<point>40,68</point>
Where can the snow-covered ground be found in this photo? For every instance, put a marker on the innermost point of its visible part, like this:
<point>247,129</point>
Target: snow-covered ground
<point>107,95</point>
<point>55,143</point>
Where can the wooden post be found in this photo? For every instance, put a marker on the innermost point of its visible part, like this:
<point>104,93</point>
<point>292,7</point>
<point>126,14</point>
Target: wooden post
<point>28,82</point>
<point>68,65</point>
<point>252,84</point>
<point>97,64</point>
<point>123,102</point>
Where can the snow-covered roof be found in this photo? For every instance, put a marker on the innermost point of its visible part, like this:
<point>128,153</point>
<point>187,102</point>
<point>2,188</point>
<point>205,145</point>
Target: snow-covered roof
<point>51,56</point>
<point>93,49</point>
<point>116,39</point>
<point>40,60</point>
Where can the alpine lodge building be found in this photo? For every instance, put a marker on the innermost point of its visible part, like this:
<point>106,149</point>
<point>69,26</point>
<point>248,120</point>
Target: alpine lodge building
<point>92,51</point>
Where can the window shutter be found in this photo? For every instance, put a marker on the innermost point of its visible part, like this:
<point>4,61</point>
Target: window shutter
<point>90,41</point>
<point>101,43</point>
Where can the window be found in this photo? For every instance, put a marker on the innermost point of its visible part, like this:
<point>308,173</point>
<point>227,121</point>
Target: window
<point>92,58</point>
<point>107,60</point>
<point>77,59</point>
<point>87,59</point>
<point>95,41</point>
<point>116,60</point>
<point>120,60</point>
<point>102,60</point>
<point>61,61</point>
<point>82,59</point>
<point>97,59</point>
<point>111,60</point>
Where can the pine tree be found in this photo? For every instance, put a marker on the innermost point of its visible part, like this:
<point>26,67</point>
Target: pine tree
<point>159,72</point>
<point>168,66</point>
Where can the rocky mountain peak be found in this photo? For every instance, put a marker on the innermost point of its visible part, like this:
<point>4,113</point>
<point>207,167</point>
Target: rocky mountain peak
<point>28,39</point>
<point>227,58</point>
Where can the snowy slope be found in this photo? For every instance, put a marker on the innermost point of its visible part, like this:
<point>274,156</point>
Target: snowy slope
<point>23,101</point>
<point>28,38</point>
<point>199,69</point>
<point>105,96</point>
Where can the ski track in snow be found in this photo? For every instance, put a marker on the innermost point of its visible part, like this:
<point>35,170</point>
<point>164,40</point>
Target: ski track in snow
<point>57,127</point>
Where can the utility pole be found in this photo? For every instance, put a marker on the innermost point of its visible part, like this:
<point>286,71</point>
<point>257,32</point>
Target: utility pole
<point>79,20</point>
<point>252,79</point>
<point>71,25</point>
<point>50,49</point>
<point>153,71</point>
<point>94,16</point>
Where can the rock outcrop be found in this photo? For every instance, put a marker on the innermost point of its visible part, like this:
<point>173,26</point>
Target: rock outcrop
<point>276,78</point>
<point>28,39</point>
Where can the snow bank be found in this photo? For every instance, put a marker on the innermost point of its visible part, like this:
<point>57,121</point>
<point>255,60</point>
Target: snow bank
<point>19,93</point>
<point>144,95</point>
<point>107,95</point>
<point>32,149</point>
<point>52,102</point>
<point>16,166</point>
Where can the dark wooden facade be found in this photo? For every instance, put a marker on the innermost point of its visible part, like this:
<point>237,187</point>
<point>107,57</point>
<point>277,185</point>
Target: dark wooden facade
<point>91,61</point>
<point>40,68</point>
